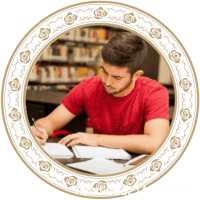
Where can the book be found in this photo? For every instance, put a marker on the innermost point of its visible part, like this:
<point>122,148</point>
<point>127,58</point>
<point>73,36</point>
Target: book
<point>100,166</point>
<point>56,150</point>
<point>82,151</point>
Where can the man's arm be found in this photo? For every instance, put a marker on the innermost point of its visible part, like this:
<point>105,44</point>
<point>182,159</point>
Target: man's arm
<point>54,121</point>
<point>155,131</point>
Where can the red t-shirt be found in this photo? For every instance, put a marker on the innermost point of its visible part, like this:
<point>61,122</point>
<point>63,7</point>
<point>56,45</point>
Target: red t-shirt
<point>119,115</point>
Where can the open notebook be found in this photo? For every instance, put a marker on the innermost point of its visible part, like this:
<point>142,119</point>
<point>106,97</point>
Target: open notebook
<point>100,166</point>
<point>57,150</point>
<point>93,152</point>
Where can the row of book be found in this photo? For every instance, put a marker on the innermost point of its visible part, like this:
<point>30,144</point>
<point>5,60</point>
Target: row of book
<point>62,87</point>
<point>91,34</point>
<point>56,74</point>
<point>62,52</point>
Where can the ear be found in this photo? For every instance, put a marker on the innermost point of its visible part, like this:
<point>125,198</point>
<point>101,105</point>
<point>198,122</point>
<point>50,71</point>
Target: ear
<point>137,74</point>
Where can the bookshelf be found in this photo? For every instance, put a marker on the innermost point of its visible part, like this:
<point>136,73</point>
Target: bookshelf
<point>73,57</point>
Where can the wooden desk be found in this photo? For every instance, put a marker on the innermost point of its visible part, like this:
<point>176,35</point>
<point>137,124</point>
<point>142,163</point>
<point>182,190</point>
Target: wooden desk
<point>66,161</point>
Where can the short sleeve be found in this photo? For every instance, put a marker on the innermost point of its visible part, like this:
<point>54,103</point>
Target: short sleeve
<point>73,101</point>
<point>157,104</point>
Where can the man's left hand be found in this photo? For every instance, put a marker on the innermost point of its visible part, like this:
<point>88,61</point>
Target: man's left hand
<point>80,138</point>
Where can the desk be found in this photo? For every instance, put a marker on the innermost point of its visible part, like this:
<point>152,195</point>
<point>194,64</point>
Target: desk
<point>66,161</point>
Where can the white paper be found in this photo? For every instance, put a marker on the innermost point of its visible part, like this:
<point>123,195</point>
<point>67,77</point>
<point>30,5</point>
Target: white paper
<point>93,152</point>
<point>101,166</point>
<point>57,150</point>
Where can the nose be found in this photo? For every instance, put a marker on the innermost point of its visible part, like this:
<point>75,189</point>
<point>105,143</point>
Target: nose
<point>108,81</point>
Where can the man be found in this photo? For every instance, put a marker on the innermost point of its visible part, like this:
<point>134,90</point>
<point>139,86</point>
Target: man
<point>127,111</point>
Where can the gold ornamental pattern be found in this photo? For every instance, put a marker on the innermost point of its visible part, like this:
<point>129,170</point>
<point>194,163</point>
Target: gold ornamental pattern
<point>71,181</point>
<point>175,56</point>
<point>185,114</point>
<point>175,142</point>
<point>130,180</point>
<point>15,85</point>
<point>99,13</point>
<point>100,186</point>
<point>185,84</point>
<point>44,33</point>
<point>15,115</point>
<point>25,143</point>
<point>45,166</point>
<point>156,165</point>
<point>129,18</point>
<point>155,33</point>
<point>70,18</point>
<point>25,57</point>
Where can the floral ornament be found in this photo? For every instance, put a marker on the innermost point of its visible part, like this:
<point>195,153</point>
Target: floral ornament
<point>25,143</point>
<point>175,142</point>
<point>15,115</point>
<point>130,180</point>
<point>44,33</point>
<point>25,57</point>
<point>175,56</point>
<point>15,86</point>
<point>71,181</point>
<point>185,114</point>
<point>156,165</point>
<point>70,18</point>
<point>129,18</point>
<point>45,166</point>
<point>100,13</point>
<point>155,33</point>
<point>101,186</point>
<point>185,84</point>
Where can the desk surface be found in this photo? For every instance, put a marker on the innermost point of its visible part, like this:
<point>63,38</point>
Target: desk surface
<point>45,96</point>
<point>66,161</point>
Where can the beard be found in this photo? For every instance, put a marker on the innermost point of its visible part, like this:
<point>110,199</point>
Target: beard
<point>118,91</point>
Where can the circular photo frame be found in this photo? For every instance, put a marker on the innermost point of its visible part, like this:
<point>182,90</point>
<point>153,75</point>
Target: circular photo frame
<point>30,49</point>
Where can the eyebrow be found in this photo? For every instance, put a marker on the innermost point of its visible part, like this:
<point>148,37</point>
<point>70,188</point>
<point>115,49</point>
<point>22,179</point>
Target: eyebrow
<point>111,75</point>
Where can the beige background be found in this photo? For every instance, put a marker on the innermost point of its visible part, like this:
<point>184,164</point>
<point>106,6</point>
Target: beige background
<point>17,180</point>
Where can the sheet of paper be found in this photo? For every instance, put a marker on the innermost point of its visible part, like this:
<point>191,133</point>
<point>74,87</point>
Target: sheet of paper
<point>100,166</point>
<point>93,152</point>
<point>57,150</point>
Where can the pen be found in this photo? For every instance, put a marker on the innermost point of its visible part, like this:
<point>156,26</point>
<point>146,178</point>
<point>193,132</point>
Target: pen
<point>36,126</point>
<point>135,159</point>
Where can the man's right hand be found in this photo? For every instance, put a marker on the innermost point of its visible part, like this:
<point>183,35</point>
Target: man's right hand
<point>41,136</point>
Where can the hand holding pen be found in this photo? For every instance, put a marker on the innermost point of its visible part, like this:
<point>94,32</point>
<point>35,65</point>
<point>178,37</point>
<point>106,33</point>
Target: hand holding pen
<point>40,133</point>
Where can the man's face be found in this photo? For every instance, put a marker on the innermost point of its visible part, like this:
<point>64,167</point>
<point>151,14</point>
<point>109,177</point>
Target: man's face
<point>117,81</point>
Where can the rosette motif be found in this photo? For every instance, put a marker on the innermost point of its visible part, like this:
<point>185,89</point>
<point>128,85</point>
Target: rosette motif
<point>70,18</point>
<point>175,56</point>
<point>15,85</point>
<point>175,142</point>
<point>71,181</point>
<point>45,166</point>
<point>129,18</point>
<point>100,186</point>
<point>185,114</point>
<point>44,33</point>
<point>130,180</point>
<point>100,13</point>
<point>25,57</point>
<point>15,115</point>
<point>25,143</point>
<point>155,33</point>
<point>156,165</point>
<point>185,84</point>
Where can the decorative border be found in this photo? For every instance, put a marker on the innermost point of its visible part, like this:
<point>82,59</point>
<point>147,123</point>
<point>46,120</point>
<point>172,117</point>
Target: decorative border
<point>32,46</point>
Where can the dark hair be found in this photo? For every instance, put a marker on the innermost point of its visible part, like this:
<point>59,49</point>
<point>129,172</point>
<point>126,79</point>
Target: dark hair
<point>125,50</point>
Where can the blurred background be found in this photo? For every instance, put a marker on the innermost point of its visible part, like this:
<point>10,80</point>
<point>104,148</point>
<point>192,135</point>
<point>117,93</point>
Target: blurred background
<point>73,57</point>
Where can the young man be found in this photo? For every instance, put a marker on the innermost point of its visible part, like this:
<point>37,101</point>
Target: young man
<point>127,111</point>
